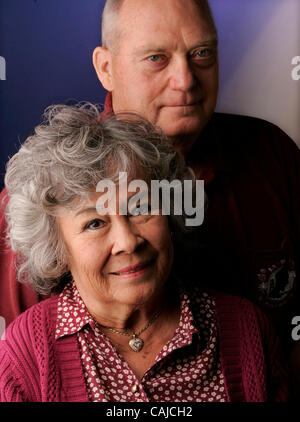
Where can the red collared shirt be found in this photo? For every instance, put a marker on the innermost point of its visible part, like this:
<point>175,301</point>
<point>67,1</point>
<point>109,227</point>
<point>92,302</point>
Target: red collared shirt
<point>186,369</point>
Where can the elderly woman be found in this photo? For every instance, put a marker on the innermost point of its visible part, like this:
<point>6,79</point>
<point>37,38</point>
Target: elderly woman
<point>118,325</point>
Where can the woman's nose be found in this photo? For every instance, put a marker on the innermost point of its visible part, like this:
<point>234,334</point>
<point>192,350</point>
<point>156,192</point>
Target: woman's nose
<point>125,238</point>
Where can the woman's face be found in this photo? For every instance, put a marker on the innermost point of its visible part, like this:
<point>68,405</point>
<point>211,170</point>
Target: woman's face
<point>116,259</point>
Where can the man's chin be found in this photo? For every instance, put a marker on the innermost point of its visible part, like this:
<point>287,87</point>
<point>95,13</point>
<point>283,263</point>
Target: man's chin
<point>184,132</point>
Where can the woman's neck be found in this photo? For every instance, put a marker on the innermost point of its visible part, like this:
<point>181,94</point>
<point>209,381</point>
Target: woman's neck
<point>131,317</point>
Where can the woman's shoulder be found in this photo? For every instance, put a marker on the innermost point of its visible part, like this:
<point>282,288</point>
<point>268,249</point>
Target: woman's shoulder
<point>34,324</point>
<point>231,312</point>
<point>243,314</point>
<point>224,301</point>
<point>25,351</point>
<point>247,334</point>
<point>232,303</point>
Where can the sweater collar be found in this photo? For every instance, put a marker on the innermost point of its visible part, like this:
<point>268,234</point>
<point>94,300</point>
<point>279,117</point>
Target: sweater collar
<point>72,314</point>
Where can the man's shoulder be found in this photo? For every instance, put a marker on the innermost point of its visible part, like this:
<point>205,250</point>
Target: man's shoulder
<point>242,141</point>
<point>248,131</point>
<point>240,121</point>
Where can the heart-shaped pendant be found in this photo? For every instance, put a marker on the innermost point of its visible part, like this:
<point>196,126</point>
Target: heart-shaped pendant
<point>136,344</point>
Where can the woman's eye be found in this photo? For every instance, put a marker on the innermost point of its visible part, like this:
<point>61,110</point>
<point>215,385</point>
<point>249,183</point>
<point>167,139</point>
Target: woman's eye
<point>94,224</point>
<point>143,209</point>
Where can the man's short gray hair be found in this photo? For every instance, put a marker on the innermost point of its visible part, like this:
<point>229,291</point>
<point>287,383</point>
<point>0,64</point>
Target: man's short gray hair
<point>112,8</point>
<point>63,161</point>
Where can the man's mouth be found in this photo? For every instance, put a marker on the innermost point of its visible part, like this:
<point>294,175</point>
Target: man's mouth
<point>187,104</point>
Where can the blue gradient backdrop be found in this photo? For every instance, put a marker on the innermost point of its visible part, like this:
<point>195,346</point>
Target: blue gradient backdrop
<point>48,46</point>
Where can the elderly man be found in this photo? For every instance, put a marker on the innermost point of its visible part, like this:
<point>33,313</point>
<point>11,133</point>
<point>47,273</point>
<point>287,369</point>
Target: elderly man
<point>159,59</point>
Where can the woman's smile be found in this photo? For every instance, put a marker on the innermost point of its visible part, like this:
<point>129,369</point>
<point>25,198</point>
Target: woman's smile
<point>135,270</point>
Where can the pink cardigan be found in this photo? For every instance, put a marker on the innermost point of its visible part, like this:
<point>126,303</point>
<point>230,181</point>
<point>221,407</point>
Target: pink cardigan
<point>34,367</point>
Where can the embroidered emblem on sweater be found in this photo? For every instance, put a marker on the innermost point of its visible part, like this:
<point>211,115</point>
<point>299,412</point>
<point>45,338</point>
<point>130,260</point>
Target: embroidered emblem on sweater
<point>276,283</point>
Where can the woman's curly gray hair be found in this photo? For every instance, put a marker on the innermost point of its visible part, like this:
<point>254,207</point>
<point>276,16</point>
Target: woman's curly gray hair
<point>65,158</point>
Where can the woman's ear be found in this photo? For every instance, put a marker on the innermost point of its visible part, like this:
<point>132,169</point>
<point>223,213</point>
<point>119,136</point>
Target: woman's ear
<point>102,61</point>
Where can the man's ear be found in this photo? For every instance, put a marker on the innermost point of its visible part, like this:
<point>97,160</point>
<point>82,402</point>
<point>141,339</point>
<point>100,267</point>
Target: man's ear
<point>102,64</point>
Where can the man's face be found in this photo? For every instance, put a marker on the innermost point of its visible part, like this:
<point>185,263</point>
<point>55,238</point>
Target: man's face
<point>165,67</point>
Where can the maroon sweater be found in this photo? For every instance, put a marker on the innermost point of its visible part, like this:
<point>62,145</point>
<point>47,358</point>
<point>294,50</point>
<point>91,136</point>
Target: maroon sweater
<point>249,244</point>
<point>35,367</point>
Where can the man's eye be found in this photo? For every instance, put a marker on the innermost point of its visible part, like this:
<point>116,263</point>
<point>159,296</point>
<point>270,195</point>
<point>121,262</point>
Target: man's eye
<point>206,52</point>
<point>94,224</point>
<point>154,58</point>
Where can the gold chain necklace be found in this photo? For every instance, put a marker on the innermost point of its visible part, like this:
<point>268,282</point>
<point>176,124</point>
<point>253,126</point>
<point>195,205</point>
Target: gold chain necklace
<point>135,343</point>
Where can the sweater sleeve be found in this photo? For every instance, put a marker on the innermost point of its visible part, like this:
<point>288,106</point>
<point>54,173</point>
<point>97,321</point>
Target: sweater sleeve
<point>262,355</point>
<point>15,297</point>
<point>11,389</point>
<point>251,355</point>
<point>20,373</point>
<point>278,383</point>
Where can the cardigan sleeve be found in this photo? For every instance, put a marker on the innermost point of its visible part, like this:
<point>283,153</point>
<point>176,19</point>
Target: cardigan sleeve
<point>278,382</point>
<point>20,374</point>
<point>252,359</point>
<point>11,389</point>
<point>15,297</point>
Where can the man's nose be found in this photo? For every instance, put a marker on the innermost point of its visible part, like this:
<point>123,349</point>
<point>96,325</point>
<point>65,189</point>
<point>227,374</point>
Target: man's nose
<point>126,239</point>
<point>182,77</point>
